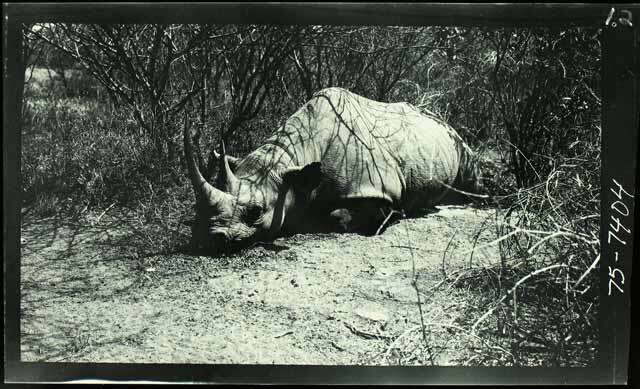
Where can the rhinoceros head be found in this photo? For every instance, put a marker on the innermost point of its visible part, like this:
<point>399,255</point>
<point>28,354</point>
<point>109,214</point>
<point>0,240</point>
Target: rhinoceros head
<point>234,213</point>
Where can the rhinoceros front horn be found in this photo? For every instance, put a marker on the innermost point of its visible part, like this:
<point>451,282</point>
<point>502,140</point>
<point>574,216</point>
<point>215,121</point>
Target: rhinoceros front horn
<point>205,192</point>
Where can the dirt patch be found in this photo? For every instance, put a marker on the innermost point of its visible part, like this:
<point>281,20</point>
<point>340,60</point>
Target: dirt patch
<point>323,299</point>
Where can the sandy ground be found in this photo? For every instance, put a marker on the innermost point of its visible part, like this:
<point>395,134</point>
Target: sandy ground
<point>327,299</point>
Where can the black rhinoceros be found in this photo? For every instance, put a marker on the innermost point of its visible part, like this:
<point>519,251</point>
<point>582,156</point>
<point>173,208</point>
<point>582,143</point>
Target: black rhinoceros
<point>342,162</point>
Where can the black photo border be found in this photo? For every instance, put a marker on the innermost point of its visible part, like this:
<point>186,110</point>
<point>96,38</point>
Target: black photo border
<point>620,86</point>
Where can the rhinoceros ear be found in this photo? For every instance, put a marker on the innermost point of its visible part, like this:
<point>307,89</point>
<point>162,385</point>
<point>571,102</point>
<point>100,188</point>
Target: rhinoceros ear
<point>295,179</point>
<point>305,178</point>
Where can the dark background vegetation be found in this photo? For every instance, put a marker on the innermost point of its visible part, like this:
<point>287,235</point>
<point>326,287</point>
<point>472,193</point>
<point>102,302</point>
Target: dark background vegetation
<point>104,105</point>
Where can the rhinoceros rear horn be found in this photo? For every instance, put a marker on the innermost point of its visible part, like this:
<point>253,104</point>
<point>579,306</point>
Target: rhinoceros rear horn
<point>226,178</point>
<point>205,192</point>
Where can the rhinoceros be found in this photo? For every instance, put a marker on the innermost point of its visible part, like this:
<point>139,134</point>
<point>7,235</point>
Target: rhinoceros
<point>342,162</point>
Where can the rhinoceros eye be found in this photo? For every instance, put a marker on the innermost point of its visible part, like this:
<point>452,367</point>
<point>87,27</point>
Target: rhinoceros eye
<point>252,214</point>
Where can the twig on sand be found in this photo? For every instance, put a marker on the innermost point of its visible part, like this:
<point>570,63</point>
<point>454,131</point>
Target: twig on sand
<point>102,214</point>
<point>339,348</point>
<point>365,334</point>
<point>401,246</point>
<point>283,334</point>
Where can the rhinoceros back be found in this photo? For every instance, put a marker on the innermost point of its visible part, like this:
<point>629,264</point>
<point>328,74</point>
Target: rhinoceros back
<point>370,149</point>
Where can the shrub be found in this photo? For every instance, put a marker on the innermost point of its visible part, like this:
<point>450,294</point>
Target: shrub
<point>546,279</point>
<point>75,148</point>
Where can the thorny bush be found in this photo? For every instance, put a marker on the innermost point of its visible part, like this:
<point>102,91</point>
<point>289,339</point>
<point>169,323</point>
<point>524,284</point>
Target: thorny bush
<point>548,237</point>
